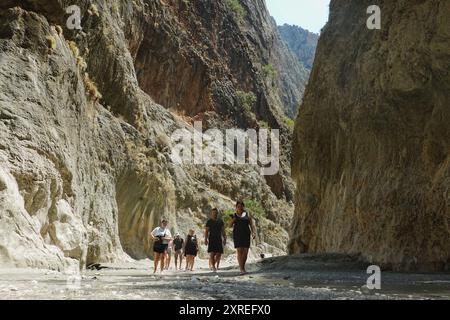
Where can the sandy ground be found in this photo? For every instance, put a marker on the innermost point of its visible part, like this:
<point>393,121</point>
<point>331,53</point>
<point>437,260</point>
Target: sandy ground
<point>285,278</point>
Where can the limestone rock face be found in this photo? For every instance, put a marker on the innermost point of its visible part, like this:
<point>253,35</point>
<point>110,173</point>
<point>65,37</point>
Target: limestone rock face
<point>85,166</point>
<point>290,72</point>
<point>372,140</point>
<point>209,53</point>
<point>302,42</point>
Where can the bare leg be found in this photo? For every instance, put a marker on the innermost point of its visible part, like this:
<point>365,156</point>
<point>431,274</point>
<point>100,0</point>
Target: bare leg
<point>169,258</point>
<point>240,259</point>
<point>176,261</point>
<point>212,261</point>
<point>166,258</point>
<point>244,257</point>
<point>155,261</point>
<point>218,257</point>
<point>163,260</point>
<point>192,263</point>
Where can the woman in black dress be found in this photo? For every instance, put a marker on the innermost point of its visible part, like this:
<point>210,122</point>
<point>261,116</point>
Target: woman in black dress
<point>243,228</point>
<point>215,239</point>
<point>190,250</point>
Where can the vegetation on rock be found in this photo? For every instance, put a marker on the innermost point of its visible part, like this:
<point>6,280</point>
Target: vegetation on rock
<point>236,7</point>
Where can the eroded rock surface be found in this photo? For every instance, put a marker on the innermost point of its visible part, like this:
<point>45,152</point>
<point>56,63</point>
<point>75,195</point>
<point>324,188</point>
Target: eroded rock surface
<point>302,43</point>
<point>372,140</point>
<point>86,116</point>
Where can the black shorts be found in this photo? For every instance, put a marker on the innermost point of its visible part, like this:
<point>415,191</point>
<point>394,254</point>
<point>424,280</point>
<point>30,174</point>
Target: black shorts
<point>160,248</point>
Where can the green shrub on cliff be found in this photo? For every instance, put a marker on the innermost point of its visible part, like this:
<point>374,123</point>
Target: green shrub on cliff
<point>289,122</point>
<point>226,216</point>
<point>246,100</point>
<point>255,209</point>
<point>263,125</point>
<point>269,71</point>
<point>236,7</point>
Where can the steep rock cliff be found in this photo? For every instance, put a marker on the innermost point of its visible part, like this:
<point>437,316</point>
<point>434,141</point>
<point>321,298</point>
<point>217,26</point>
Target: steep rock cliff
<point>196,52</point>
<point>86,116</point>
<point>372,140</point>
<point>302,43</point>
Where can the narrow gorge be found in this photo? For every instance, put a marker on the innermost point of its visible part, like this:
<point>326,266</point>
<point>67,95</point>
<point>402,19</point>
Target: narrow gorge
<point>87,116</point>
<point>372,139</point>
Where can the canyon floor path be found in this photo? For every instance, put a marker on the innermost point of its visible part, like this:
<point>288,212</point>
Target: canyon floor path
<point>283,278</point>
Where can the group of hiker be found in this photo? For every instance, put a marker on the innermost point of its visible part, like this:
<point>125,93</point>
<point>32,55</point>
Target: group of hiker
<point>215,238</point>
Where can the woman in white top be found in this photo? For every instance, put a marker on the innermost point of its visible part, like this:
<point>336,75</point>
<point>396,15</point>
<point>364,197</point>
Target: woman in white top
<point>161,237</point>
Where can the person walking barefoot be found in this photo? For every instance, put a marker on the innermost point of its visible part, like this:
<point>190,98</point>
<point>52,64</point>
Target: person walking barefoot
<point>169,254</point>
<point>190,250</point>
<point>215,239</point>
<point>161,237</point>
<point>178,244</point>
<point>243,228</point>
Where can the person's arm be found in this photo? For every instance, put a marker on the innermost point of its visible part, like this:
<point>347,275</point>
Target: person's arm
<point>152,236</point>
<point>232,222</point>
<point>253,227</point>
<point>206,234</point>
<point>224,235</point>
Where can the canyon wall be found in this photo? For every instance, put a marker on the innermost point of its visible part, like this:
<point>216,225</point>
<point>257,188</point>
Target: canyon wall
<point>372,139</point>
<point>86,118</point>
<point>301,42</point>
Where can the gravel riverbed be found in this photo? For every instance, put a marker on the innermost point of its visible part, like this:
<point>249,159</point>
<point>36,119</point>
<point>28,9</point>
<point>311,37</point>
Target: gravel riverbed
<point>283,278</point>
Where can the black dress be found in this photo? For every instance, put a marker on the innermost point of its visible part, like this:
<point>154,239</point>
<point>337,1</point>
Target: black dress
<point>241,231</point>
<point>191,246</point>
<point>215,244</point>
<point>178,244</point>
